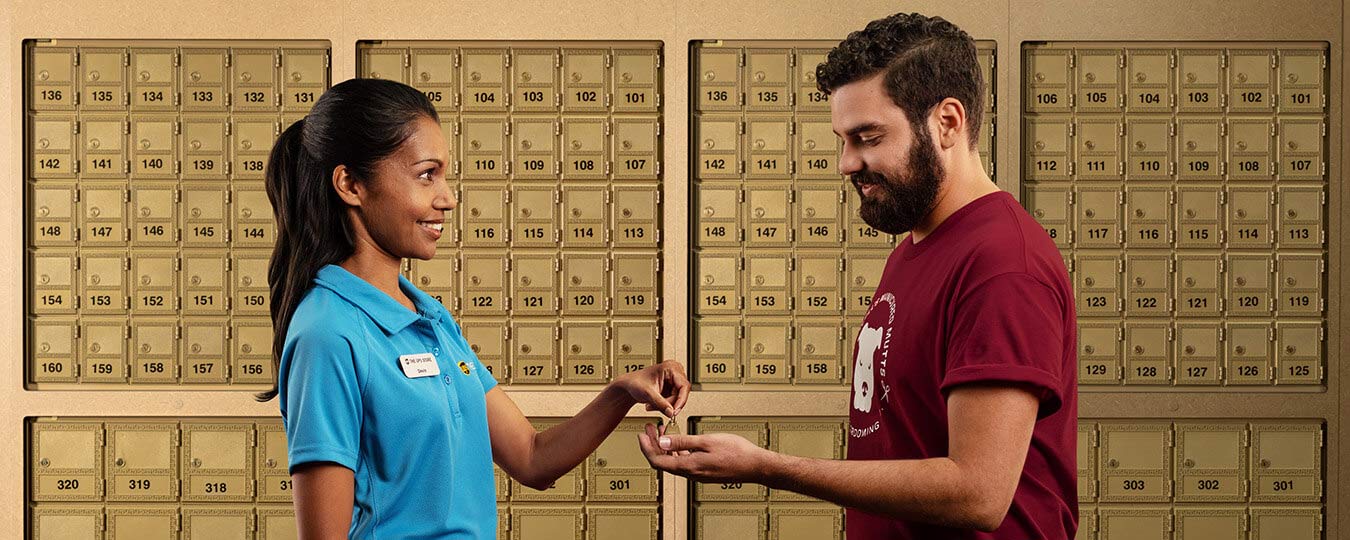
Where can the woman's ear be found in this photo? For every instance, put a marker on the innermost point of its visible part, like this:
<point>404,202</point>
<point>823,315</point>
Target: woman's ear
<point>347,187</point>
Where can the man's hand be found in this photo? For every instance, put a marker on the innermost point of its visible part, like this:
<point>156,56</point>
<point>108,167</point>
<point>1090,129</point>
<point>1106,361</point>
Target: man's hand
<point>717,457</point>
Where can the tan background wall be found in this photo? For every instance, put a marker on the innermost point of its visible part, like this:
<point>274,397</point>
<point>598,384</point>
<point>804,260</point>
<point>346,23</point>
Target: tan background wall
<point>675,23</point>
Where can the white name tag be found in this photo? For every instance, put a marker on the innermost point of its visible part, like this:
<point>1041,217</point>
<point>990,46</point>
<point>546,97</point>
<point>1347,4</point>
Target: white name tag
<point>419,365</point>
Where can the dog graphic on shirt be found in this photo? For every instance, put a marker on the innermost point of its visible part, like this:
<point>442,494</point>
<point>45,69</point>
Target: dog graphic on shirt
<point>864,381</point>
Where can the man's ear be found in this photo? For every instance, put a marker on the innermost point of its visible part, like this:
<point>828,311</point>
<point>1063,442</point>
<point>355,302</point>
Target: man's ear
<point>949,115</point>
<point>347,187</point>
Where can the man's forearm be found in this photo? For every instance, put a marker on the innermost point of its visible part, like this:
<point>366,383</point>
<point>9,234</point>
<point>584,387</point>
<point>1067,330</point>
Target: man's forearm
<point>933,491</point>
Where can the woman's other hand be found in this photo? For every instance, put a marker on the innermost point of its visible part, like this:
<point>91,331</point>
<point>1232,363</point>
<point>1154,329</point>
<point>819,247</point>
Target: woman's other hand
<point>661,387</point>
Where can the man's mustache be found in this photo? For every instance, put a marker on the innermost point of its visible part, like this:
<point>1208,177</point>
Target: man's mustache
<point>867,177</point>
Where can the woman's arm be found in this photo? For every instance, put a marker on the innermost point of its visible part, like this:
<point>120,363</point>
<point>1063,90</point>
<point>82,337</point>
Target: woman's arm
<point>538,459</point>
<point>323,500</point>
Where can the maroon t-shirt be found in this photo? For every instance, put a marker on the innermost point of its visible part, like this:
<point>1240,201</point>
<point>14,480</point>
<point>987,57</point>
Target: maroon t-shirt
<point>985,298</point>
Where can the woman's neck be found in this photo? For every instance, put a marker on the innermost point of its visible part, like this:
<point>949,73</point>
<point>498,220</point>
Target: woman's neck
<point>378,269</point>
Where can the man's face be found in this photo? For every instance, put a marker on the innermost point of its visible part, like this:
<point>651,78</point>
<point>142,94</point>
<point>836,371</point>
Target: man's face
<point>894,167</point>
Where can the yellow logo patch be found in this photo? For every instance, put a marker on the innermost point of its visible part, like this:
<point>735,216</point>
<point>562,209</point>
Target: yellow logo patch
<point>464,367</point>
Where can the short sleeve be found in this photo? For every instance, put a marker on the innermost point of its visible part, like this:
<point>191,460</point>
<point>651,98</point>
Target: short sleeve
<point>1009,329</point>
<point>323,400</point>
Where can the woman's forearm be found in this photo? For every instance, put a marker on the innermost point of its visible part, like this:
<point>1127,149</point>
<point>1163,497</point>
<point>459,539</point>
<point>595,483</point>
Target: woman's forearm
<point>562,447</point>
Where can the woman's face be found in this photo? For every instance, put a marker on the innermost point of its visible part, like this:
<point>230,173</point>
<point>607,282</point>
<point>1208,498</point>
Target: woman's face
<point>403,207</point>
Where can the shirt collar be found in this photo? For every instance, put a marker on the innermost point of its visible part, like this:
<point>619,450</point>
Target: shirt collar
<point>390,315</point>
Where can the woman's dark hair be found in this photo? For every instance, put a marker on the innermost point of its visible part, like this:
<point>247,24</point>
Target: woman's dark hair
<point>926,60</point>
<point>356,123</point>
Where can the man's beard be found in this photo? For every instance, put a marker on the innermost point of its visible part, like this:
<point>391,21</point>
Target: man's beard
<point>897,205</point>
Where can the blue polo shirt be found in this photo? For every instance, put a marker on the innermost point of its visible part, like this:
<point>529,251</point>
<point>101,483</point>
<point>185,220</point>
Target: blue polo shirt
<point>419,446</point>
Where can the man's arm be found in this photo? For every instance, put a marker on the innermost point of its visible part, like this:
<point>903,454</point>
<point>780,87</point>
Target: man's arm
<point>989,431</point>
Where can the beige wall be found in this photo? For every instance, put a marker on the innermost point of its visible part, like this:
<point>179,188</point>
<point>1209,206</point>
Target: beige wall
<point>675,23</point>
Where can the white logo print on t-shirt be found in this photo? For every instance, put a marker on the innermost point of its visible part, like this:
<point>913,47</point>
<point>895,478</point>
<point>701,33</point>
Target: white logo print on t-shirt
<point>864,378</point>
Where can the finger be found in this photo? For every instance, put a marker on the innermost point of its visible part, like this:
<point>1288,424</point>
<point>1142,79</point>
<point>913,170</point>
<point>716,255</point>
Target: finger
<point>675,443</point>
<point>683,396</point>
<point>657,402</point>
<point>653,433</point>
<point>655,457</point>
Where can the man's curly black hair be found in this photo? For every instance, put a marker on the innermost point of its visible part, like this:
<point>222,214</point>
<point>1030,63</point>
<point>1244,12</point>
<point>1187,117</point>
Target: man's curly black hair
<point>926,60</point>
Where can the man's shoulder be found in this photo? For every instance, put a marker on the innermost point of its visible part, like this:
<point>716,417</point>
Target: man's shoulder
<point>1004,239</point>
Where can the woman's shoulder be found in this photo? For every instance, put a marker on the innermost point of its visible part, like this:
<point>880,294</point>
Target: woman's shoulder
<point>325,313</point>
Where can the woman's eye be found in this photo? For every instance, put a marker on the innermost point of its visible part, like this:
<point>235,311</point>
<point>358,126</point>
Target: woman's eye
<point>426,175</point>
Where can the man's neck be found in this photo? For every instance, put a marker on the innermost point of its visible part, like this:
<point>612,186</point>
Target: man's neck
<point>959,188</point>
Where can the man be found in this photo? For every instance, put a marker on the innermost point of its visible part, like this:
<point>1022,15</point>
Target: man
<point>964,412</point>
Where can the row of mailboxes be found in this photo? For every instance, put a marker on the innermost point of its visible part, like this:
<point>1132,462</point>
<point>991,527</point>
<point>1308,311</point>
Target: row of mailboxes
<point>776,148</point>
<point>1200,461</point>
<point>808,351</point>
<point>115,214</point>
<point>195,460</point>
<point>544,77</point>
<point>219,282</point>
<point>1152,78</point>
<point>1201,352</point>
<point>1197,284</point>
<point>61,521</point>
<point>1194,522</point>
<point>149,145</point>
<point>777,76</point>
<point>742,521</point>
<point>478,282</point>
<point>158,281</point>
<point>573,215</point>
<point>207,147</point>
<point>541,351</point>
<point>243,460</point>
<point>775,215</point>
<point>131,462</point>
<point>1188,149</point>
<point>165,76</point>
<point>763,282</point>
<point>160,521</point>
<point>616,472</point>
<point>1183,217</point>
<point>760,521</point>
<point>156,350</point>
<point>207,215</point>
<point>1144,352</point>
<point>518,521</point>
<point>152,350</point>
<point>711,521</point>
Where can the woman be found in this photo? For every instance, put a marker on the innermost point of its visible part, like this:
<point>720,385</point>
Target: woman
<point>392,423</point>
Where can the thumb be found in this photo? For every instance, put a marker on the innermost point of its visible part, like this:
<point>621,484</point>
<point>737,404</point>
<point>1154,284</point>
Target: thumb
<point>676,443</point>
